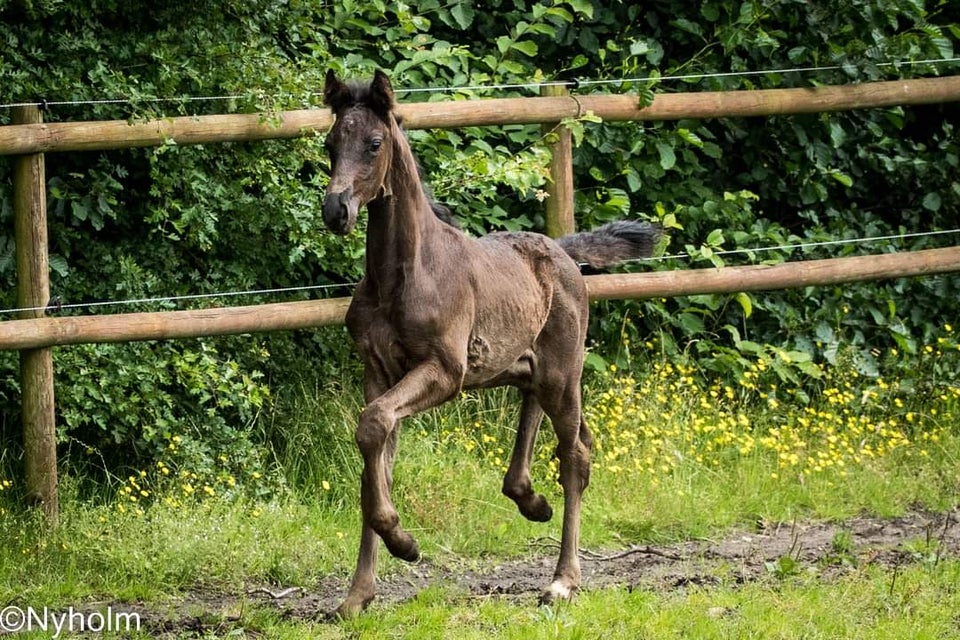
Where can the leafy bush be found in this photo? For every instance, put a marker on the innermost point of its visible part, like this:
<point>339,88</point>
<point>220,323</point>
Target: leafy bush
<point>188,409</point>
<point>176,220</point>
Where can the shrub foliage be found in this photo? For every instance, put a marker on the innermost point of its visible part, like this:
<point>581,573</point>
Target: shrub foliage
<point>170,221</point>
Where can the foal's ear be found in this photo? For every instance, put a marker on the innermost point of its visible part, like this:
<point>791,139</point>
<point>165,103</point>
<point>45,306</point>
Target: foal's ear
<point>336,94</point>
<point>381,95</point>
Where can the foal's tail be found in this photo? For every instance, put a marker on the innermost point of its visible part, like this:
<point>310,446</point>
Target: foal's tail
<point>612,243</point>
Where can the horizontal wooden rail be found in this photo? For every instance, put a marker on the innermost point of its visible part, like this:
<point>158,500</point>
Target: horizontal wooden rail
<point>770,277</point>
<point>45,332</point>
<point>117,134</point>
<point>166,325</point>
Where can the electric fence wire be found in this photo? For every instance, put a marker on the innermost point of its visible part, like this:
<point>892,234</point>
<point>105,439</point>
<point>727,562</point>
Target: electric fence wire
<point>897,64</point>
<point>675,78</point>
<point>493,87</point>
<point>350,285</point>
<point>803,245</point>
<point>182,298</point>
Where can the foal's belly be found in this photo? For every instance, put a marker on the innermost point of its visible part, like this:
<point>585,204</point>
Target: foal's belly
<point>501,349</point>
<point>486,373</point>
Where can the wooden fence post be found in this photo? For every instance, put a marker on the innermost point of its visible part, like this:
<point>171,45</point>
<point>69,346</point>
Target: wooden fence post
<point>33,290</point>
<point>559,213</point>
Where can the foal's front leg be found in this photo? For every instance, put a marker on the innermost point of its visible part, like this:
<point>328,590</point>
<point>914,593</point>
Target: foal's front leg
<point>363,586</point>
<point>423,387</point>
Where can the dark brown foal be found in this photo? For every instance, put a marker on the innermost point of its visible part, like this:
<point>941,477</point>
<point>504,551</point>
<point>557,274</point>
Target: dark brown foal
<point>438,311</point>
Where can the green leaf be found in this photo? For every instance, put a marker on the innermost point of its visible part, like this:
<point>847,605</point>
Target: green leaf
<point>712,150</point>
<point>690,323</point>
<point>558,12</point>
<point>688,25</point>
<point>824,332</point>
<point>463,13</point>
<point>745,303</point>
<point>690,137</point>
<point>511,66</point>
<point>794,356</point>
<point>639,48</point>
<point>797,55</point>
<point>749,346</point>
<point>944,46</point>
<point>584,7</point>
<point>837,135</point>
<point>79,210</point>
<point>595,362</point>
<point>667,156</point>
<point>619,200</point>
<point>715,239</point>
<point>669,221</point>
<point>931,201</point>
<point>526,47</point>
<point>842,178</point>
<point>810,368</point>
<point>59,265</point>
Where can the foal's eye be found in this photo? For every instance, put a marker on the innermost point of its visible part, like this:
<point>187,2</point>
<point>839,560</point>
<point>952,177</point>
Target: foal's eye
<point>375,145</point>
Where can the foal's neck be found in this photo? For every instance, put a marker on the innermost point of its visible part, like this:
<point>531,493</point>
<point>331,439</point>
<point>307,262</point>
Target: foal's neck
<point>401,221</point>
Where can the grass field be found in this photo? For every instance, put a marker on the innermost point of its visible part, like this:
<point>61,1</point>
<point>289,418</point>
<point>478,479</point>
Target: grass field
<point>684,468</point>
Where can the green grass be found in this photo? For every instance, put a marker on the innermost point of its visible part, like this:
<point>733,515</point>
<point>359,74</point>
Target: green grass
<point>920,603</point>
<point>668,467</point>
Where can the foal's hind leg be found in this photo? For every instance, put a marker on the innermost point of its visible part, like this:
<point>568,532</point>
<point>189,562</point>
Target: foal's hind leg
<point>517,484</point>
<point>573,449</point>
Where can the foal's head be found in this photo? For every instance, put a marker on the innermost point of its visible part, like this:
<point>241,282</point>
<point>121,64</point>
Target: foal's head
<point>360,145</point>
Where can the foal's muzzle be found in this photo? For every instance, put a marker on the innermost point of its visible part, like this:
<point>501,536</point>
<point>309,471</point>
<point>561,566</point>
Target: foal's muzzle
<point>340,211</point>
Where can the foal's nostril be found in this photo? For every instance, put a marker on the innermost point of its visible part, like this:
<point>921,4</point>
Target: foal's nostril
<point>336,211</point>
<point>333,212</point>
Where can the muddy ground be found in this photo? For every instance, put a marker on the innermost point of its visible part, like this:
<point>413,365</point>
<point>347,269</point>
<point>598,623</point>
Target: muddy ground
<point>826,548</point>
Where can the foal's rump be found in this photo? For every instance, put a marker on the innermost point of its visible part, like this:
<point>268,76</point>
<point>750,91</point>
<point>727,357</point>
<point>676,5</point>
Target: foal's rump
<point>527,288</point>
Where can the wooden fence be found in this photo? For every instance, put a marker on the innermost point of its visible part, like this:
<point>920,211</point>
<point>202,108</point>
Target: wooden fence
<point>28,139</point>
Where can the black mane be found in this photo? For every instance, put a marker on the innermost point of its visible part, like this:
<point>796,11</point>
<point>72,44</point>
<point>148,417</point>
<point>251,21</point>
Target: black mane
<point>440,210</point>
<point>359,91</point>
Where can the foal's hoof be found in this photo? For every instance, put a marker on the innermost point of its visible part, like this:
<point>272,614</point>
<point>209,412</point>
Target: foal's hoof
<point>557,592</point>
<point>356,601</point>
<point>403,546</point>
<point>347,611</point>
<point>538,510</point>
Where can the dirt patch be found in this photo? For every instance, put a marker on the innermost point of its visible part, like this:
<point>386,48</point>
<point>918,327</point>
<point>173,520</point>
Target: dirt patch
<point>828,548</point>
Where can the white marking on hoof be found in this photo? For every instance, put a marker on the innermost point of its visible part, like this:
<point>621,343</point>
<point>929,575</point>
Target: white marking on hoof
<point>559,591</point>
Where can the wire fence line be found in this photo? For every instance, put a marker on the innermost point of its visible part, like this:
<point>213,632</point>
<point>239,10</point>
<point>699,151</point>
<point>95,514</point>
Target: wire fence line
<point>58,306</point>
<point>678,77</point>
<point>182,298</point>
<point>652,78</point>
<point>806,245</point>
